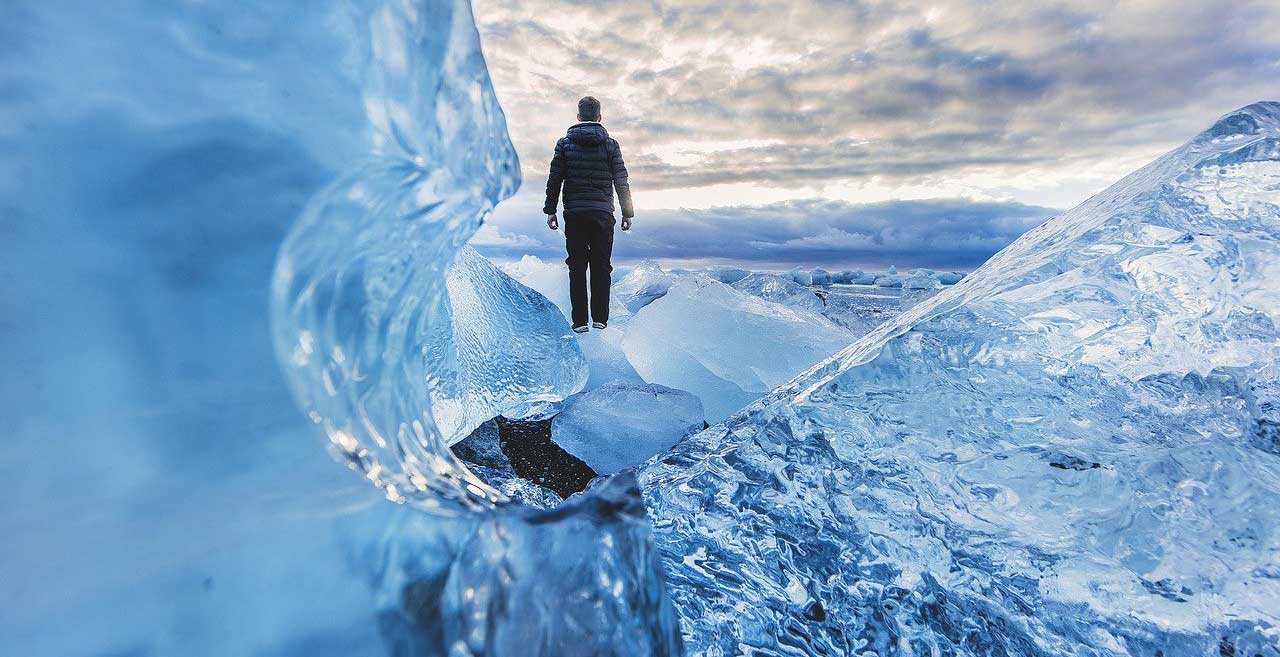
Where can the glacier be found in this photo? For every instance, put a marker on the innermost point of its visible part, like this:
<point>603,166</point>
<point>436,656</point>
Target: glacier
<point>1070,452</point>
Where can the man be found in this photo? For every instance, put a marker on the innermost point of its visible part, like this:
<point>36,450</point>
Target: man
<point>588,164</point>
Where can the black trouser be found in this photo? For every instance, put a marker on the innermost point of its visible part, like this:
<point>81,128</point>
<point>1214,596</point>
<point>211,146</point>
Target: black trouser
<point>588,237</point>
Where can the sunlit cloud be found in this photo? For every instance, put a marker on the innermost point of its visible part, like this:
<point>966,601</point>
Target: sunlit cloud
<point>776,102</point>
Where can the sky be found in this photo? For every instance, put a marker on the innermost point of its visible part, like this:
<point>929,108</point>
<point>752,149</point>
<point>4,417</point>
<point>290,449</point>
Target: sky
<point>861,134</point>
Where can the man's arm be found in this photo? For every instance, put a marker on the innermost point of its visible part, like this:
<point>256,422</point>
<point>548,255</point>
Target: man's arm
<point>620,181</point>
<point>554,180</point>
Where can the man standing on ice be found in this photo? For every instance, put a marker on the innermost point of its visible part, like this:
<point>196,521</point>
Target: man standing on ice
<point>588,164</point>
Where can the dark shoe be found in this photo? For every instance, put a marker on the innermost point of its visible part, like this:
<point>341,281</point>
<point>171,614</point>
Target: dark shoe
<point>580,329</point>
<point>599,326</point>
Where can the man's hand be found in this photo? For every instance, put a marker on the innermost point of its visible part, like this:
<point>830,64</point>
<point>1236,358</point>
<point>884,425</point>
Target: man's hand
<point>626,224</point>
<point>552,222</point>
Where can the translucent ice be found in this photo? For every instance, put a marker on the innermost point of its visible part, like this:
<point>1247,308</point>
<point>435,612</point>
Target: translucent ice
<point>646,282</point>
<point>777,289</point>
<point>602,349</point>
<point>163,490</point>
<point>705,337</point>
<point>1069,452</point>
<point>508,348</point>
<point>621,425</point>
<point>799,275</point>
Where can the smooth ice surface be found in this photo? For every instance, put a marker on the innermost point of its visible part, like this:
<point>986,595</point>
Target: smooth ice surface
<point>620,425</point>
<point>778,289</point>
<point>705,337</point>
<point>1073,451</point>
<point>729,275</point>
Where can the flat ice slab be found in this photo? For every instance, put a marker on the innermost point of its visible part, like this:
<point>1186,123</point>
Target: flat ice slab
<point>620,425</point>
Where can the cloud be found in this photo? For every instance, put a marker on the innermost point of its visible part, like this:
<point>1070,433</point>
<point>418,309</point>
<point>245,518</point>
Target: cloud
<point>785,132</point>
<point>491,237</point>
<point>939,233</point>
<point>842,93</point>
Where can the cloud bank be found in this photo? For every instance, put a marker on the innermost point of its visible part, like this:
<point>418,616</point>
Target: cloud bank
<point>938,233</point>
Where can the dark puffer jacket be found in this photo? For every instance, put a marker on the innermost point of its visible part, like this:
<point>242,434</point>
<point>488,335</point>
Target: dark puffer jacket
<point>588,163</point>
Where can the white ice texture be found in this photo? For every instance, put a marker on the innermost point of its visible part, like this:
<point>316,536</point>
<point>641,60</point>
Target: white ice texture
<point>620,425</point>
<point>1073,451</point>
<point>691,332</point>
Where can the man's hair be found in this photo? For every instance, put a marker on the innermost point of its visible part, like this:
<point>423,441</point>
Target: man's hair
<point>589,109</point>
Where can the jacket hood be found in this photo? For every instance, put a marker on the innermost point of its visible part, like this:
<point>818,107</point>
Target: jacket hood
<point>588,133</point>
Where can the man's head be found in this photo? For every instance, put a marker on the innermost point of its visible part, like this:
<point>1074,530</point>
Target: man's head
<point>588,109</point>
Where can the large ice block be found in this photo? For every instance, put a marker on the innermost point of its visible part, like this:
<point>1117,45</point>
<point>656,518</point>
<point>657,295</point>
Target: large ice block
<point>1070,452</point>
<point>508,349</point>
<point>706,337</point>
<point>620,425</point>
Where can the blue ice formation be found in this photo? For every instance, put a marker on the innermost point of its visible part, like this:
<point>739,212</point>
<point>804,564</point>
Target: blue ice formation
<point>508,350</point>
<point>1073,451</point>
<point>164,490</point>
<point>621,424</point>
<point>641,286</point>
<point>365,330</point>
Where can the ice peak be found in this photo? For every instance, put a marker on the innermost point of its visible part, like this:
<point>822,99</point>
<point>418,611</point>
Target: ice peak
<point>1247,120</point>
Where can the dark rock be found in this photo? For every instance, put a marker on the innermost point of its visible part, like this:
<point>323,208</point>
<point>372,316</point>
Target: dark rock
<point>527,444</point>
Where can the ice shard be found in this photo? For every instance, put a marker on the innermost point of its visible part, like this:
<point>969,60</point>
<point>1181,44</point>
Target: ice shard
<point>1070,452</point>
<point>507,349</point>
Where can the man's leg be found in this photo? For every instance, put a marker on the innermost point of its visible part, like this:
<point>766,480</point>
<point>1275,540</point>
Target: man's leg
<point>577,241</point>
<point>600,254</point>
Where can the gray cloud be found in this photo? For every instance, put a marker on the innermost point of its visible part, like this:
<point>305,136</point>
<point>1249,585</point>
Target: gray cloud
<point>939,233</point>
<point>1031,82</point>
